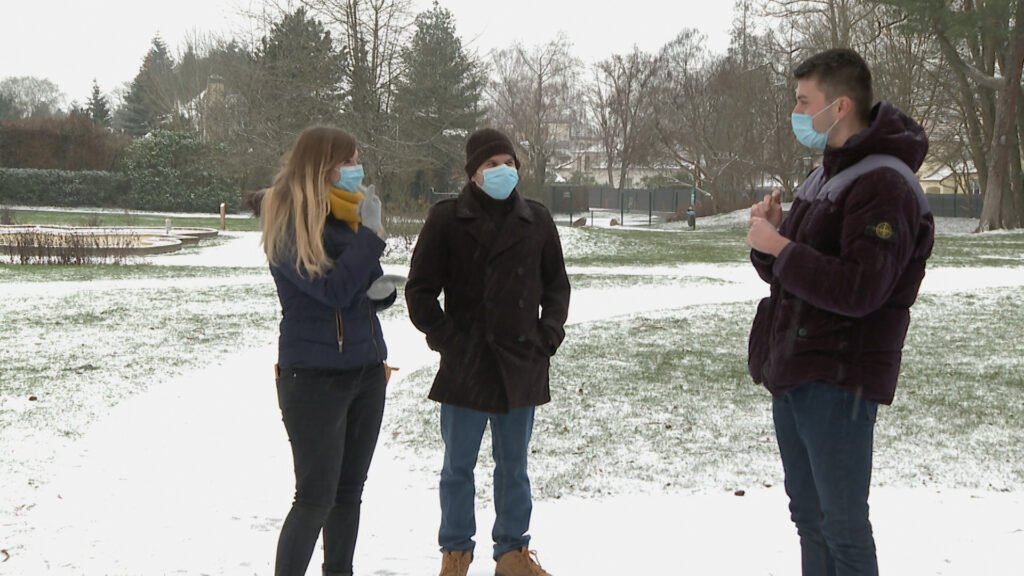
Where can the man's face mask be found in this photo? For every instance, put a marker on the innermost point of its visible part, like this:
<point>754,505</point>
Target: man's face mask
<point>500,181</point>
<point>803,129</point>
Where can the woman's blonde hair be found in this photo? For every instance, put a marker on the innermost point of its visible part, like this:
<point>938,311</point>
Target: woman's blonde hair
<point>294,209</point>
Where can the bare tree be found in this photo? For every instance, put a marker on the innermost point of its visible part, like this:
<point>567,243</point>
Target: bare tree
<point>626,85</point>
<point>30,96</point>
<point>823,24</point>
<point>372,34</point>
<point>531,96</point>
<point>982,44</point>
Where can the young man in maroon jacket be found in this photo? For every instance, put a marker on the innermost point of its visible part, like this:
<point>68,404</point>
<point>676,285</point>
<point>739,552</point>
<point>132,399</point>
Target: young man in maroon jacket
<point>844,267</point>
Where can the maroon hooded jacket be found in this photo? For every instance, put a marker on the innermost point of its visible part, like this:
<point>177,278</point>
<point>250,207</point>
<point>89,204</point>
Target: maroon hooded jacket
<point>841,291</point>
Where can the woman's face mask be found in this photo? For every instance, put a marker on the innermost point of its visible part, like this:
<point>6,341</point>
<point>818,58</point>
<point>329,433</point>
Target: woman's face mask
<point>350,178</point>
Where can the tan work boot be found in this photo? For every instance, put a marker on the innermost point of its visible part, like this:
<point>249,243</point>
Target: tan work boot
<point>456,563</point>
<point>521,562</point>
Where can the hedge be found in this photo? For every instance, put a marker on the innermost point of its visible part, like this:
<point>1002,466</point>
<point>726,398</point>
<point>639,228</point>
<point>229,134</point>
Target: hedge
<point>28,187</point>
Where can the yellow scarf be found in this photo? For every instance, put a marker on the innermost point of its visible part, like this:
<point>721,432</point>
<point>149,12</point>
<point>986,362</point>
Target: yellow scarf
<point>343,206</point>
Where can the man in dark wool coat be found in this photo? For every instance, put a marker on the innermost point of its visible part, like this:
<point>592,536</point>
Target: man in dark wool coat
<point>845,265</point>
<point>497,258</point>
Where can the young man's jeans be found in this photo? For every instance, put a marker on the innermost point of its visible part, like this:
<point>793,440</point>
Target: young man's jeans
<point>333,419</point>
<point>825,434</point>
<point>462,430</point>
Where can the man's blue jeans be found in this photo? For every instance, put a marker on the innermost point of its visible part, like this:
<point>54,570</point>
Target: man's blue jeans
<point>462,430</point>
<point>825,434</point>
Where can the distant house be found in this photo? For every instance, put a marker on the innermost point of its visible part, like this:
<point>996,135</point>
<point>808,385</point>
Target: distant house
<point>589,161</point>
<point>207,111</point>
<point>959,178</point>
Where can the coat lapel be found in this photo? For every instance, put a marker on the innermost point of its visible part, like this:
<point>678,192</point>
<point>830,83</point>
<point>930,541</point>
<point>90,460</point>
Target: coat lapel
<point>517,227</point>
<point>469,214</point>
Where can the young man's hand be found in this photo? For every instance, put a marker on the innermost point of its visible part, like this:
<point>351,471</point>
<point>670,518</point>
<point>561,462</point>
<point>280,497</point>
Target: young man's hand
<point>770,208</point>
<point>763,237</point>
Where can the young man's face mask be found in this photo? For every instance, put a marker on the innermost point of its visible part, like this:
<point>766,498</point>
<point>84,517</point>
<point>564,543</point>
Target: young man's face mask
<point>803,129</point>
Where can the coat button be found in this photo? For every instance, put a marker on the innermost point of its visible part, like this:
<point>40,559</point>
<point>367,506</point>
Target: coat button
<point>490,337</point>
<point>801,332</point>
<point>519,271</point>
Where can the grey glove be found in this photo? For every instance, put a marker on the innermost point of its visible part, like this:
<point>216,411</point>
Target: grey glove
<point>383,287</point>
<point>369,210</point>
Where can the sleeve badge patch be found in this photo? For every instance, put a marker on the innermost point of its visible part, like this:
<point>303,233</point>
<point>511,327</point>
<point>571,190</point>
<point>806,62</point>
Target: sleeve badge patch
<point>882,230</point>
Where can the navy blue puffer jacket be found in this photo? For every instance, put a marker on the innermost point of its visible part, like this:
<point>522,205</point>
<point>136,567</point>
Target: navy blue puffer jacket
<point>329,322</point>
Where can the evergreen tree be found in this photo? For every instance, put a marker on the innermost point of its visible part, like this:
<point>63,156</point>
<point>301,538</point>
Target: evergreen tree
<point>299,77</point>
<point>151,100</point>
<point>437,102</point>
<point>97,107</point>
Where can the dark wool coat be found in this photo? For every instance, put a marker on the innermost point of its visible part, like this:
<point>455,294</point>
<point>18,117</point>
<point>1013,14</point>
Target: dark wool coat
<point>841,291</point>
<point>506,298</point>
<point>317,313</point>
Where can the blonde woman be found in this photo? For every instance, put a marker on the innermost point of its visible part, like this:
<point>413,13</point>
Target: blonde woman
<point>321,236</point>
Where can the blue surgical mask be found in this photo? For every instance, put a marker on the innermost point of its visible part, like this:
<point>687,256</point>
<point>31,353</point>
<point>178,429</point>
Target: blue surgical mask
<point>500,181</point>
<point>350,178</point>
<point>803,129</point>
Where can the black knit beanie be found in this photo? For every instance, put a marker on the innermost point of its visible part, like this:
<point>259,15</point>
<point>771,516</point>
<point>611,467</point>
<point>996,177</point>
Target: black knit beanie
<point>483,144</point>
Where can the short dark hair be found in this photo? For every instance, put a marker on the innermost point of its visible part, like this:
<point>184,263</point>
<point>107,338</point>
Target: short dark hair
<point>840,72</point>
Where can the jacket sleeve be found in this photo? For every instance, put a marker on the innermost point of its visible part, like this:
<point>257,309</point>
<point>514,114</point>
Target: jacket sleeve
<point>350,276</point>
<point>554,301</point>
<point>763,264</point>
<point>426,280</point>
<point>385,303</point>
<point>880,222</point>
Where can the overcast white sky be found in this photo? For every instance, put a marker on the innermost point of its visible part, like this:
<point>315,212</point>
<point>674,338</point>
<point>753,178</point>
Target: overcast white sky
<point>73,41</point>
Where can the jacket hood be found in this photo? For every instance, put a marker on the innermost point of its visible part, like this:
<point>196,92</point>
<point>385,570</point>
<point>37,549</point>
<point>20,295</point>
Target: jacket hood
<point>889,132</point>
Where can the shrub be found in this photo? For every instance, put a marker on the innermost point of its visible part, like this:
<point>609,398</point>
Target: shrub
<point>64,248</point>
<point>175,171</point>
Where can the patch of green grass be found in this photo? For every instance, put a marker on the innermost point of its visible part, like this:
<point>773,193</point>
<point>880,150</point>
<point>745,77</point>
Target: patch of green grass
<point>11,273</point>
<point>71,218</point>
<point>664,401</point>
<point>961,395</point>
<point>628,247</point>
<point>719,245</point>
<point>645,401</point>
<point>1004,249</point>
<point>80,353</point>
<point>611,281</point>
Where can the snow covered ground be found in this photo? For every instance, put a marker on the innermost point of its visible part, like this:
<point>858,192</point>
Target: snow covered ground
<point>193,476</point>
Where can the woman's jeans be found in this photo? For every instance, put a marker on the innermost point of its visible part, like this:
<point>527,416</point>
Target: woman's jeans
<point>333,419</point>
<point>462,430</point>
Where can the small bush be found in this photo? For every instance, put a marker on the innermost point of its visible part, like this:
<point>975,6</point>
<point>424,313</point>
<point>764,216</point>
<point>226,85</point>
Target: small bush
<point>64,248</point>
